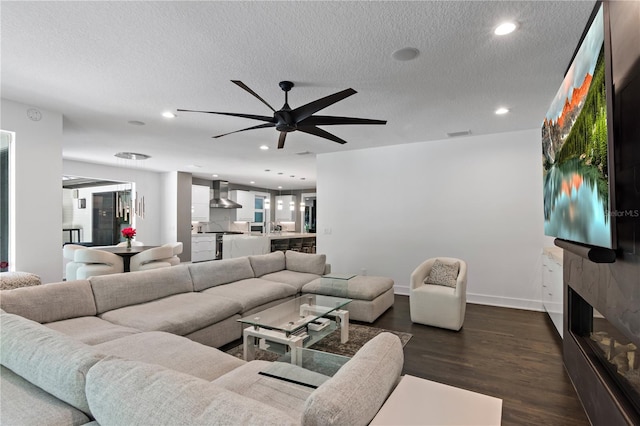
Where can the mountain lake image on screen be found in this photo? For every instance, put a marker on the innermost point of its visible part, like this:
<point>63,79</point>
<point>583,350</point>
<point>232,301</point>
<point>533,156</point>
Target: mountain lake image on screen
<point>574,148</point>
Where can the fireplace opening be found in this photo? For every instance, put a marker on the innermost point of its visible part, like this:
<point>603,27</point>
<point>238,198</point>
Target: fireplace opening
<point>601,341</point>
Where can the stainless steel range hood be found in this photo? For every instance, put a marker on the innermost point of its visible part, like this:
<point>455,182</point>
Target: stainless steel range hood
<point>220,198</point>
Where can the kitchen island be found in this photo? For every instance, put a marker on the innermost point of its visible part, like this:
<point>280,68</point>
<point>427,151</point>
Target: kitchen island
<point>254,243</point>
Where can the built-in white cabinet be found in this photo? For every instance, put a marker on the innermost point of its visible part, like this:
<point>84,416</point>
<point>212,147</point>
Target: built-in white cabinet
<point>199,203</point>
<point>246,199</point>
<point>286,208</point>
<point>203,247</point>
<point>552,290</point>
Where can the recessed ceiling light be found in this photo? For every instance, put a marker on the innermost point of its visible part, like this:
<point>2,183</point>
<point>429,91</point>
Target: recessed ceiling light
<point>194,166</point>
<point>252,182</point>
<point>280,187</point>
<point>132,156</point>
<point>267,170</point>
<point>280,173</point>
<point>214,175</point>
<point>501,111</point>
<point>136,123</point>
<point>292,175</point>
<point>303,178</point>
<point>405,54</point>
<point>264,147</point>
<point>505,28</point>
<point>168,114</point>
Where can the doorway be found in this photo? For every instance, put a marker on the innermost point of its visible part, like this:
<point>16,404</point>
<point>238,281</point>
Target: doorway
<point>309,213</point>
<point>94,211</point>
<point>106,224</point>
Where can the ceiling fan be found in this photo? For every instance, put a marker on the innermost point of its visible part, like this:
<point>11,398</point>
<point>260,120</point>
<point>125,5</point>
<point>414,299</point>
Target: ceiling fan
<point>302,119</point>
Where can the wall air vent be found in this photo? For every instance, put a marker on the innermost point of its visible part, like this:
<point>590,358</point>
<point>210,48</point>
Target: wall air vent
<point>458,134</point>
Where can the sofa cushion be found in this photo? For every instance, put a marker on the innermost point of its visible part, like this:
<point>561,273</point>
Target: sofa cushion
<point>358,288</point>
<point>50,360</point>
<point>174,352</point>
<point>26,404</point>
<point>136,393</point>
<point>356,392</point>
<point>50,302</point>
<point>180,314</point>
<point>305,262</point>
<point>288,397</point>
<point>118,290</point>
<point>267,263</point>
<point>293,278</point>
<point>210,274</point>
<point>91,330</point>
<point>252,292</point>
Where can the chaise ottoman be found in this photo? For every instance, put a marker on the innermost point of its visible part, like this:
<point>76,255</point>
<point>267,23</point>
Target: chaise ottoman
<point>371,296</point>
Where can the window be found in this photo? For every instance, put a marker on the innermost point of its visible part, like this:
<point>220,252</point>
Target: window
<point>6,139</point>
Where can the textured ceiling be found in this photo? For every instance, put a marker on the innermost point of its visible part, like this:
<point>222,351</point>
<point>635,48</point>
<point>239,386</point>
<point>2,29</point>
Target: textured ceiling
<point>102,64</point>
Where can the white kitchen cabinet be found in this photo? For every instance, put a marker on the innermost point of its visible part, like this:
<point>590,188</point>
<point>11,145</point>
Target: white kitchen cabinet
<point>246,199</point>
<point>199,203</point>
<point>203,247</point>
<point>284,213</point>
<point>552,286</point>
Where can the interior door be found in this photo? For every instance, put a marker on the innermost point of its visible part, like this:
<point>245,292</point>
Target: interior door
<point>105,223</point>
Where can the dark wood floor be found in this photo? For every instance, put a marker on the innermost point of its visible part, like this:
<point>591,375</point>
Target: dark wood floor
<point>510,354</point>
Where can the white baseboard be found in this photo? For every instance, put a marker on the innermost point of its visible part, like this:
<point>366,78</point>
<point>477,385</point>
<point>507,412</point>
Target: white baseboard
<point>505,302</point>
<point>401,289</point>
<point>483,299</point>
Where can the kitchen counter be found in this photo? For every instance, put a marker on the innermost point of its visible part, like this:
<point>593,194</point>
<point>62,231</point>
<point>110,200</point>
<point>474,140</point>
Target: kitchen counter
<point>238,245</point>
<point>255,243</point>
<point>287,235</point>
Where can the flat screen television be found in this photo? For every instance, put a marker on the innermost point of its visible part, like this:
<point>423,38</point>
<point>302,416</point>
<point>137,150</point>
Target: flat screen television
<point>576,146</point>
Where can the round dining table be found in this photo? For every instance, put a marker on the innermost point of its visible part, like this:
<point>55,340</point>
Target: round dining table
<point>126,253</point>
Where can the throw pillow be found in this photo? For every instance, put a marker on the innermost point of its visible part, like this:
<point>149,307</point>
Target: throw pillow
<point>443,274</point>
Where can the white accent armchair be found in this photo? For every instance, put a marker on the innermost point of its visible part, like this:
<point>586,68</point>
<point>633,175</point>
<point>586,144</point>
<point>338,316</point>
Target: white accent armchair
<point>438,305</point>
<point>157,257</point>
<point>95,262</point>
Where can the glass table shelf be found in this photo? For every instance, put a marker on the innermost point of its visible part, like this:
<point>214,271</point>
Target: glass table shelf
<point>312,368</point>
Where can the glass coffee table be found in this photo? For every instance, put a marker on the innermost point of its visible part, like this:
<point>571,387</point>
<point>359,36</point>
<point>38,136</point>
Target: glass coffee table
<point>335,284</point>
<point>297,323</point>
<point>312,369</point>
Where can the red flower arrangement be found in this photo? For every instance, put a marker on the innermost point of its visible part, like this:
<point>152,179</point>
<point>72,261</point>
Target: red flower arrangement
<point>128,233</point>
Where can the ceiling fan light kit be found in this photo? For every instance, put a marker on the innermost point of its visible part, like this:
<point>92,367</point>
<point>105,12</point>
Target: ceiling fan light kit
<point>287,120</point>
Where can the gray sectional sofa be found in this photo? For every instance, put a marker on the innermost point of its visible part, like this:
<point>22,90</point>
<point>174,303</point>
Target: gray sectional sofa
<point>158,378</point>
<point>138,348</point>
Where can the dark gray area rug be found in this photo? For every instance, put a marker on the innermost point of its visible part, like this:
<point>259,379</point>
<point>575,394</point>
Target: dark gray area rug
<point>358,336</point>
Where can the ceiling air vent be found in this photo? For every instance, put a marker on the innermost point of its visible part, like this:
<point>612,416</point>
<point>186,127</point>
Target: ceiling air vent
<point>458,134</point>
<point>305,153</point>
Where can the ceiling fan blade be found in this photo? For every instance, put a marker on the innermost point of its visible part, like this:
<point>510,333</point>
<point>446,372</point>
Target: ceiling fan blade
<point>233,114</point>
<point>327,120</point>
<point>245,87</point>
<point>283,136</point>
<point>259,126</point>
<point>305,111</point>
<point>321,133</point>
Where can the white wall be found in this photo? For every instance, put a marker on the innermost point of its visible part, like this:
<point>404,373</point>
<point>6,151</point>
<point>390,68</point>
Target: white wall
<point>147,183</point>
<point>385,210</point>
<point>36,211</point>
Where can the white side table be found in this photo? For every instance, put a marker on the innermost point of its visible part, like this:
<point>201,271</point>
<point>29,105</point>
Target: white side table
<point>417,401</point>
